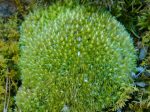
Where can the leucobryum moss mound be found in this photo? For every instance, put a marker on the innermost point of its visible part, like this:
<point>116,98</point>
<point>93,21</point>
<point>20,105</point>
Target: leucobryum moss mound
<point>73,59</point>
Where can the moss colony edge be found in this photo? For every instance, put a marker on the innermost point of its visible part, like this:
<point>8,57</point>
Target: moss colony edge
<point>76,58</point>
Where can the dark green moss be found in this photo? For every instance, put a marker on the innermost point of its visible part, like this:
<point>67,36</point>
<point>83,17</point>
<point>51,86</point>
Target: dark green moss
<point>9,36</point>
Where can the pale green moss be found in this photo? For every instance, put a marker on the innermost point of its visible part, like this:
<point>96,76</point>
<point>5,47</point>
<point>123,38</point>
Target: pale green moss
<point>78,60</point>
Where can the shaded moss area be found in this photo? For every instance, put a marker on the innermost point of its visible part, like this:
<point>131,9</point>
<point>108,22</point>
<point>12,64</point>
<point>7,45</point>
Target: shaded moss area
<point>9,53</point>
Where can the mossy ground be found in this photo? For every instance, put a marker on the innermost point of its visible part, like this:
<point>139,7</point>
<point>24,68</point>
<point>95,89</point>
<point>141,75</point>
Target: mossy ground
<point>135,15</point>
<point>9,54</point>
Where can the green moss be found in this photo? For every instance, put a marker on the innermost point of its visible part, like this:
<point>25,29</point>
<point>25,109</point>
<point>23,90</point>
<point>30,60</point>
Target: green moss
<point>144,24</point>
<point>76,59</point>
<point>9,36</point>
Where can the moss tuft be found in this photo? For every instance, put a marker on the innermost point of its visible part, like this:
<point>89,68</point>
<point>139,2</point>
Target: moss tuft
<point>74,59</point>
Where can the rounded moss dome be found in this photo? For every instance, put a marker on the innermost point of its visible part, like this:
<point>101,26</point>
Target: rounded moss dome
<point>73,59</point>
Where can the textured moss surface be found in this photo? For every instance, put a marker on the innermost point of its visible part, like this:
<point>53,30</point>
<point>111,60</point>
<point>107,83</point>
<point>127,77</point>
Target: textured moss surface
<point>8,62</point>
<point>79,60</point>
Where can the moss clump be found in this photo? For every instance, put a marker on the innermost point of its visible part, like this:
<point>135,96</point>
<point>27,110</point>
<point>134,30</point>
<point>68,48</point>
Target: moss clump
<point>75,59</point>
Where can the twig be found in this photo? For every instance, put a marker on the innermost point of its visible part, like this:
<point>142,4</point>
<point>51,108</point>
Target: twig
<point>8,92</point>
<point>5,103</point>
